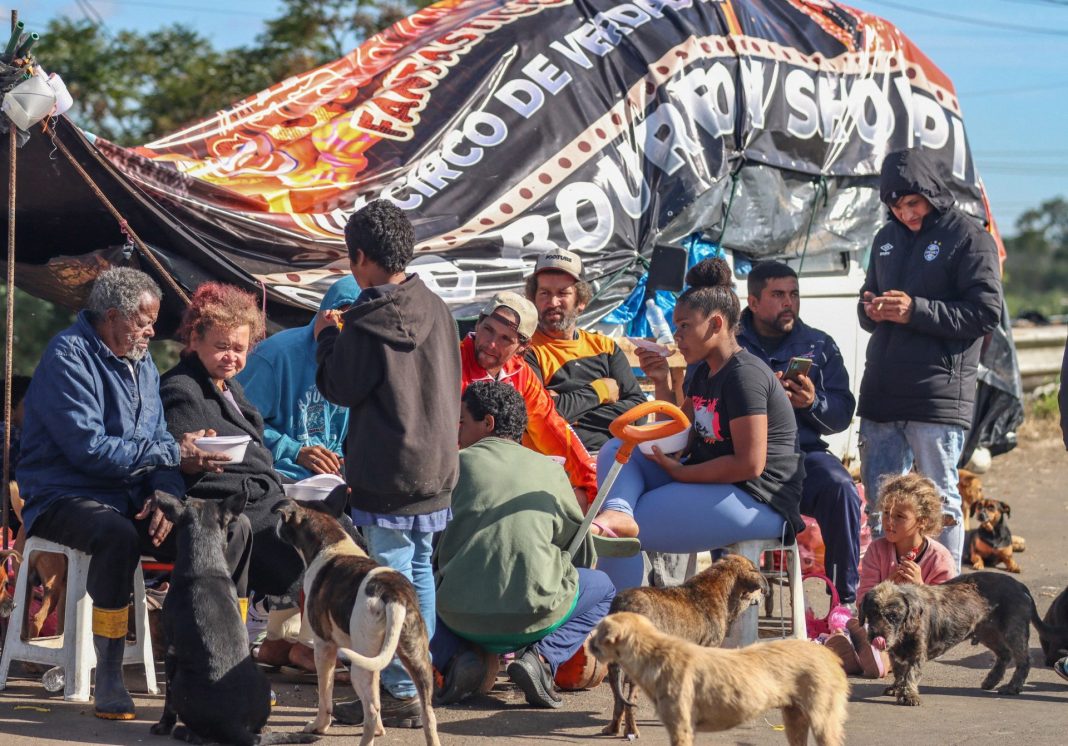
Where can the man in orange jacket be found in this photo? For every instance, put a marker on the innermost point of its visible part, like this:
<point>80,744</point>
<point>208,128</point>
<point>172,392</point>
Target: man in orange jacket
<point>494,352</point>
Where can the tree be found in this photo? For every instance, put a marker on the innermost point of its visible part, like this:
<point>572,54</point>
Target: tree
<point>1036,267</point>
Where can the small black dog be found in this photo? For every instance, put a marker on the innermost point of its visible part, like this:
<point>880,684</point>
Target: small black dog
<point>213,684</point>
<point>919,622</point>
<point>1056,647</point>
<point>992,542</point>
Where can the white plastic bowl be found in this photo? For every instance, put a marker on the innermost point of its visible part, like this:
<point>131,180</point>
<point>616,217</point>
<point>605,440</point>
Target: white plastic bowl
<point>231,445</point>
<point>670,444</point>
<point>313,488</point>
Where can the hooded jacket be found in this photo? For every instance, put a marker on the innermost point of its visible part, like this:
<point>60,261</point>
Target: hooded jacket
<point>279,380</point>
<point>396,366</point>
<point>926,370</point>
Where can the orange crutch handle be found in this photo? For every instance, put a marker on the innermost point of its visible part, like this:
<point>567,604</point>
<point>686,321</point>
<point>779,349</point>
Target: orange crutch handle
<point>623,427</point>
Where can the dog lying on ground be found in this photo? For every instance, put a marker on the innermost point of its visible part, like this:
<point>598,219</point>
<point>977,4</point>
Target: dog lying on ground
<point>366,611</point>
<point>701,611</point>
<point>213,685</point>
<point>1055,646</point>
<point>992,542</point>
<point>696,688</point>
<point>916,623</point>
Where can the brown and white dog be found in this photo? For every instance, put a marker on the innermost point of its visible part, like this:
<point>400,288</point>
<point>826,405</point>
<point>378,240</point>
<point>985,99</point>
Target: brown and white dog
<point>700,610</point>
<point>364,610</point>
<point>992,541</point>
<point>695,688</point>
<point>916,623</point>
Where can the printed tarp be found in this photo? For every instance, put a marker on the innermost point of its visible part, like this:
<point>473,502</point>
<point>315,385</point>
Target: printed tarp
<point>509,128</point>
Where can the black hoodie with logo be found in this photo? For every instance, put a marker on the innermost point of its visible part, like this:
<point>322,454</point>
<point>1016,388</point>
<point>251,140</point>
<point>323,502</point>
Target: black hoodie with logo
<point>396,366</point>
<point>925,370</point>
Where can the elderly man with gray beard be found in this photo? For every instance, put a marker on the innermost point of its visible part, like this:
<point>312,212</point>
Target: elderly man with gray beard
<point>95,450</point>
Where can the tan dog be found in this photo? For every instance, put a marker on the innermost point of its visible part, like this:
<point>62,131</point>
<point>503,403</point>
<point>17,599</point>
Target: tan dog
<point>700,610</point>
<point>711,689</point>
<point>367,612</point>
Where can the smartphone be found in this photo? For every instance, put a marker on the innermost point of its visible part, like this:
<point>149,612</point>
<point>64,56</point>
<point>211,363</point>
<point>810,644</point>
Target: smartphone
<point>798,366</point>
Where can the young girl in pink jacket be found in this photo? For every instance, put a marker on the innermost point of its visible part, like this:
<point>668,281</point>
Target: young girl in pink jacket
<point>906,553</point>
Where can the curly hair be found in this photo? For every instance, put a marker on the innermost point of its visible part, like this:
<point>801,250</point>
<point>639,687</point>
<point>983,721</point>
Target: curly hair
<point>712,291</point>
<point>215,304</point>
<point>582,289</point>
<point>120,288</point>
<point>917,493</point>
<point>500,400</point>
<point>382,231</point>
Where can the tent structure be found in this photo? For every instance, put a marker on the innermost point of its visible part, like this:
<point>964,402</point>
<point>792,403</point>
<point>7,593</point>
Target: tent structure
<point>506,128</point>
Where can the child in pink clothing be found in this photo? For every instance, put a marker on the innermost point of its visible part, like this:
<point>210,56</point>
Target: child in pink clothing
<point>906,553</point>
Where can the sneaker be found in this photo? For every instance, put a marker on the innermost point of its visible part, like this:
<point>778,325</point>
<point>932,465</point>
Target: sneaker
<point>531,674</point>
<point>463,676</point>
<point>405,712</point>
<point>840,644</point>
<point>873,663</point>
<point>1061,667</point>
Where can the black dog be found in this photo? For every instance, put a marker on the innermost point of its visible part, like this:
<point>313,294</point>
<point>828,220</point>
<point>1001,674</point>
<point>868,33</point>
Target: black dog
<point>213,684</point>
<point>992,542</point>
<point>1056,647</point>
<point>919,622</point>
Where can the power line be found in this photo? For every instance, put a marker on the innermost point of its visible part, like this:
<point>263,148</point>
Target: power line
<point>973,21</point>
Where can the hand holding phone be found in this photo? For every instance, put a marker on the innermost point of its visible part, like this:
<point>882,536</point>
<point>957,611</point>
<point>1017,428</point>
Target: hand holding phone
<point>798,366</point>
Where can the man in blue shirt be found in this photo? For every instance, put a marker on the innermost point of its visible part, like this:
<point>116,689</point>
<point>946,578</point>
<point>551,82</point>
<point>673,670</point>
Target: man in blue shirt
<point>303,430</point>
<point>95,450</point>
<point>772,330</point>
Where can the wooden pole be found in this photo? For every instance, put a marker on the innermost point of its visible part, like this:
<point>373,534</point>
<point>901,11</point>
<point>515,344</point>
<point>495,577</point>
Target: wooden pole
<point>9,351</point>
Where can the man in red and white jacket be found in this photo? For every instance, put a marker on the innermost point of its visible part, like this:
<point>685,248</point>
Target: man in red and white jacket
<point>494,352</point>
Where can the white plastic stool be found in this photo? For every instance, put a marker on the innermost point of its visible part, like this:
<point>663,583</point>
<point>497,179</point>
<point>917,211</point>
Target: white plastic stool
<point>73,650</point>
<point>744,630</point>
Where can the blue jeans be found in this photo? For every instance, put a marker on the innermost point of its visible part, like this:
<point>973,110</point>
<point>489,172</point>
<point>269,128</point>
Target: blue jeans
<point>677,517</point>
<point>892,448</point>
<point>595,594</point>
<point>407,552</point>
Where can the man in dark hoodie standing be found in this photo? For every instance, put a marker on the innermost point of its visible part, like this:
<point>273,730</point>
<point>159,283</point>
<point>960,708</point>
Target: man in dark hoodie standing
<point>932,291</point>
<point>393,360</point>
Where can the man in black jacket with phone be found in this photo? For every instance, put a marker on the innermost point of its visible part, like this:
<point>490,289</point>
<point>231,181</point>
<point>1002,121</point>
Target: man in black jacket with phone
<point>932,291</point>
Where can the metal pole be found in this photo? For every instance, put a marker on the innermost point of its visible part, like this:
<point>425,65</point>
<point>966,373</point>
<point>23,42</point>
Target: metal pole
<point>10,318</point>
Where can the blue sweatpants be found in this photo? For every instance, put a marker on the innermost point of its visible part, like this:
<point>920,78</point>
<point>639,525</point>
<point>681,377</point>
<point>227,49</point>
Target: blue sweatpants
<point>676,517</point>
<point>829,496</point>
<point>595,594</point>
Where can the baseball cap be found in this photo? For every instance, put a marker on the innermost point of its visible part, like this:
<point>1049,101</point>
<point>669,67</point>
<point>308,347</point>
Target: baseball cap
<point>520,306</point>
<point>560,260</point>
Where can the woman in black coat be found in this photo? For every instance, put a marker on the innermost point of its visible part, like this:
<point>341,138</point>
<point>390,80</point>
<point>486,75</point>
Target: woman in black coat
<point>199,393</point>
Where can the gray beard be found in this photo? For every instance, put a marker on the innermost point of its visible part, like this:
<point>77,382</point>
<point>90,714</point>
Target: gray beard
<point>567,321</point>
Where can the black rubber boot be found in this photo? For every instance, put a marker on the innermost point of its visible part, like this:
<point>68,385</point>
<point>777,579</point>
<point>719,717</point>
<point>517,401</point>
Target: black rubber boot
<point>112,700</point>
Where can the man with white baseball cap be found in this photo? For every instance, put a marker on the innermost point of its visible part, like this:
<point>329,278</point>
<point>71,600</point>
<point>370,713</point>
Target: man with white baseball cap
<point>494,352</point>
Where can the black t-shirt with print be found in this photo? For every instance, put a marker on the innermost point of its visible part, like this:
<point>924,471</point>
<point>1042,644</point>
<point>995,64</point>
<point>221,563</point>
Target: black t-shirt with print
<point>745,386</point>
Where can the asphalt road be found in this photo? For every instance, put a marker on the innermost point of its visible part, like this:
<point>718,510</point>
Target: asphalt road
<point>1033,479</point>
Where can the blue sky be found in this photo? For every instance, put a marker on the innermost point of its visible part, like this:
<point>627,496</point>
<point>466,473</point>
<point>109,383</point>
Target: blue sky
<point>1006,58</point>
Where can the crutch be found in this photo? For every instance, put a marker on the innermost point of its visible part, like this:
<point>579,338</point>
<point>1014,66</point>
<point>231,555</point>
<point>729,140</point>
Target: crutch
<point>623,427</point>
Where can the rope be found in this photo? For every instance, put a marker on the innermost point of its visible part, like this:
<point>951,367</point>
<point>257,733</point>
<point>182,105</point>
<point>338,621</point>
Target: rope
<point>821,186</point>
<point>727,213</point>
<point>124,226</point>
<point>9,331</point>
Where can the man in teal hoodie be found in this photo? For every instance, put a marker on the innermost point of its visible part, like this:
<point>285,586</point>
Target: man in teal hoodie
<point>303,430</point>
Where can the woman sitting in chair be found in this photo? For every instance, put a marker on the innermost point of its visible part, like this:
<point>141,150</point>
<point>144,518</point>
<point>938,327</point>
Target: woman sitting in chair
<point>740,477</point>
<point>200,393</point>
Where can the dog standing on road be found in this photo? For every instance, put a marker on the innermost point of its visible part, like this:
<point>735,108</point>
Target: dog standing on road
<point>367,611</point>
<point>1055,647</point>
<point>696,688</point>
<point>917,623</point>
<point>701,610</point>
<point>213,685</point>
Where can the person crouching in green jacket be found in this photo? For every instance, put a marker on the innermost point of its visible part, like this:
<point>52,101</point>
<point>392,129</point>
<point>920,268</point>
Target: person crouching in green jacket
<point>505,579</point>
